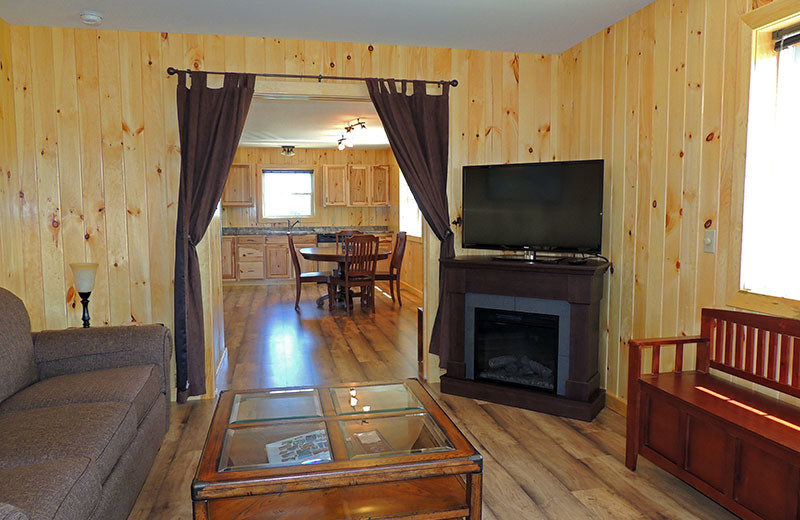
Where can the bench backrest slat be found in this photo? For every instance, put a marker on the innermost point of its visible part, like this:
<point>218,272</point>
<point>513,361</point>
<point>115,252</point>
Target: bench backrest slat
<point>761,349</point>
<point>796,363</point>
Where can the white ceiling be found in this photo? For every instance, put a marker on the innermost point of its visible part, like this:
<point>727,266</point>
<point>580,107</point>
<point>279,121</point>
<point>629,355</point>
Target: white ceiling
<point>310,124</point>
<point>539,26</point>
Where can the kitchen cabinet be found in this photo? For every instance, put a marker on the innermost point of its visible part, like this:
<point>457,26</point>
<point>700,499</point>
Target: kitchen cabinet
<point>250,258</point>
<point>355,185</point>
<point>239,187</point>
<point>358,185</point>
<point>278,261</point>
<point>379,185</point>
<point>334,179</point>
<point>228,258</point>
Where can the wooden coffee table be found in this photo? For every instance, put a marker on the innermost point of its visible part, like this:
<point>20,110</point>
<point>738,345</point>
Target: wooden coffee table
<point>357,451</point>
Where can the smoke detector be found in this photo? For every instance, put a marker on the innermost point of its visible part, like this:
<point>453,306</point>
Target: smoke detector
<point>91,17</point>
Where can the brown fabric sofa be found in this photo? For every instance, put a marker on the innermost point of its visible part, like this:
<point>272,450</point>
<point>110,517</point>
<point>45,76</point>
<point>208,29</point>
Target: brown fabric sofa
<point>82,416</point>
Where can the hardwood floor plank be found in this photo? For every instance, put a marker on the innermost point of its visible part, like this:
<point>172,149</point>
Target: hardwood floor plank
<point>536,466</point>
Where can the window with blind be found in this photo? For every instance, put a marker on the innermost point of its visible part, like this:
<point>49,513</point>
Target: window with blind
<point>770,242</point>
<point>287,193</point>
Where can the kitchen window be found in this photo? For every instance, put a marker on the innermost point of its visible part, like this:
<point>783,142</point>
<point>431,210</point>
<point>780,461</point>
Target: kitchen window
<point>287,193</point>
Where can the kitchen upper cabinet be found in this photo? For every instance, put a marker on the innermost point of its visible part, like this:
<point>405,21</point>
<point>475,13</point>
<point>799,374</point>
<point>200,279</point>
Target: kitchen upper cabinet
<point>334,180</point>
<point>358,185</point>
<point>379,185</point>
<point>239,187</point>
<point>228,258</point>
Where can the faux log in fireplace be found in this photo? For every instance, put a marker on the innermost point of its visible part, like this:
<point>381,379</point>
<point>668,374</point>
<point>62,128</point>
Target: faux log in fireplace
<point>524,334</point>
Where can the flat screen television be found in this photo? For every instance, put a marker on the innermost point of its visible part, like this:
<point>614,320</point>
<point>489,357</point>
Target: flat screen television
<point>549,206</point>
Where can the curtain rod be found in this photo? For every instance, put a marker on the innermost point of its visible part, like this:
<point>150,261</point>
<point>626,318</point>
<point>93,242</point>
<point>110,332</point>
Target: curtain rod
<point>453,82</point>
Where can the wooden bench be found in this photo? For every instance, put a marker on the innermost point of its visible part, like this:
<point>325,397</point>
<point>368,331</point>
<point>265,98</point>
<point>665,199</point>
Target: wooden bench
<point>738,446</point>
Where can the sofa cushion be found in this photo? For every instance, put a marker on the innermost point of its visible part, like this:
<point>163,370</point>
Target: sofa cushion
<point>98,431</point>
<point>17,365</point>
<point>135,385</point>
<point>9,512</point>
<point>61,489</point>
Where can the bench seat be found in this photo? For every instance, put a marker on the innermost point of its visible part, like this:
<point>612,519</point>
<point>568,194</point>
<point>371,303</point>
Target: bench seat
<point>739,446</point>
<point>759,418</point>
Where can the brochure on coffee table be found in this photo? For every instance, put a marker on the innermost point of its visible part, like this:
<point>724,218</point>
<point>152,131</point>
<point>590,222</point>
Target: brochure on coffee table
<point>307,448</point>
<point>372,442</point>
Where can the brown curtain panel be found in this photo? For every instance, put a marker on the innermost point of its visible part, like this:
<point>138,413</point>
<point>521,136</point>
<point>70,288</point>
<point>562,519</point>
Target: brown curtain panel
<point>210,122</point>
<point>418,127</point>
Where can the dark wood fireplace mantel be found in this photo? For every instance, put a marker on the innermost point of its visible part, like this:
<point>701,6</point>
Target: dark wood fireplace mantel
<point>579,285</point>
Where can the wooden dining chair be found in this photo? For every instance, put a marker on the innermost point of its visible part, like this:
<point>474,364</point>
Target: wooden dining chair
<point>342,235</point>
<point>299,277</point>
<point>395,265</point>
<point>361,258</point>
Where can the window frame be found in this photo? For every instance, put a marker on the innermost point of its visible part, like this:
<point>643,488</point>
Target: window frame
<point>755,26</point>
<point>285,167</point>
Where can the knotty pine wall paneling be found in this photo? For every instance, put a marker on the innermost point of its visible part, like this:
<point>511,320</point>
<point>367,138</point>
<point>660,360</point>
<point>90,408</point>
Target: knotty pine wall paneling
<point>11,261</point>
<point>95,145</point>
<point>658,96</point>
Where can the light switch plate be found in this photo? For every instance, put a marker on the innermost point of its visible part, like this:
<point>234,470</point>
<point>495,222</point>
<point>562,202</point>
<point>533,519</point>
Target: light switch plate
<point>710,241</point>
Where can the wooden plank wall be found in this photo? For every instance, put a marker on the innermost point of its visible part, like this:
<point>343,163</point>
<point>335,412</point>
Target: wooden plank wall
<point>656,96</point>
<point>9,177</point>
<point>316,158</point>
<point>412,276</point>
<point>98,153</point>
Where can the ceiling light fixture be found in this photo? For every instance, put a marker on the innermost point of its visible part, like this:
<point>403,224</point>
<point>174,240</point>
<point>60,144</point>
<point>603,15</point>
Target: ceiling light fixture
<point>91,17</point>
<point>287,150</point>
<point>341,144</point>
<point>356,127</point>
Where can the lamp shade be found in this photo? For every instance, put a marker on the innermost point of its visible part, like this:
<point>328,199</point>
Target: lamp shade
<point>84,276</point>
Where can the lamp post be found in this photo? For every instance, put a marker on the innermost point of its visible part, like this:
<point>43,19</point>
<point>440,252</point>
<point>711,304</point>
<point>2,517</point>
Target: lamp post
<point>84,283</point>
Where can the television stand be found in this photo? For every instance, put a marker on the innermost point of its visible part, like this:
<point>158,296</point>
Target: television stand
<point>530,256</point>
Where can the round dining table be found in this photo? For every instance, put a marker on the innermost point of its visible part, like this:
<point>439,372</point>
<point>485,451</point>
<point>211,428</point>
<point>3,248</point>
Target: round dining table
<point>326,254</point>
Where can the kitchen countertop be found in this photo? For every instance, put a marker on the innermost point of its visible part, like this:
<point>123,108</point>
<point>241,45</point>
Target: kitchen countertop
<point>300,230</point>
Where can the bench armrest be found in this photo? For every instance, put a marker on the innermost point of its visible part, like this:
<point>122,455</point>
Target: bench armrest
<point>677,340</point>
<point>635,348</point>
<point>637,345</point>
<point>68,351</point>
<point>12,512</point>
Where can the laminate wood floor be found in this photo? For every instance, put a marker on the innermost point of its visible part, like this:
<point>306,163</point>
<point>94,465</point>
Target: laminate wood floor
<point>536,466</point>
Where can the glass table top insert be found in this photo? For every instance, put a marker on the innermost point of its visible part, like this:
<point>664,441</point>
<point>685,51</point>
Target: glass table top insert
<point>398,435</point>
<point>293,427</point>
<point>374,399</point>
<point>273,405</point>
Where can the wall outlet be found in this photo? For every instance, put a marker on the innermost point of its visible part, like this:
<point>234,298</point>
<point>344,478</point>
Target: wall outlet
<point>710,241</point>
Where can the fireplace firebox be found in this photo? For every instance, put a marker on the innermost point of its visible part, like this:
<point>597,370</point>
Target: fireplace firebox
<point>517,348</point>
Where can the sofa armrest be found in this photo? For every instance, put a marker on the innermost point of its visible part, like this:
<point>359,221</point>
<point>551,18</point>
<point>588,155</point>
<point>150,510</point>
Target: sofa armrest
<point>68,351</point>
<point>11,512</point>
